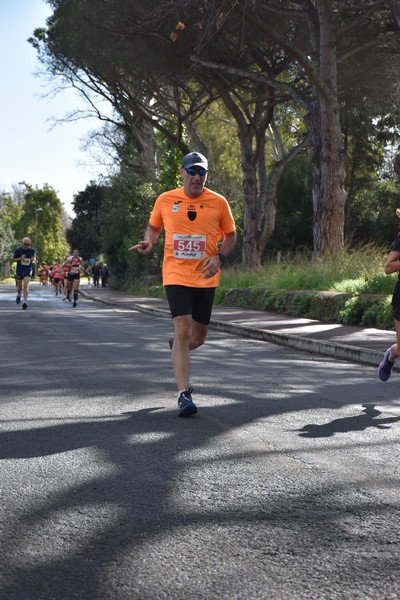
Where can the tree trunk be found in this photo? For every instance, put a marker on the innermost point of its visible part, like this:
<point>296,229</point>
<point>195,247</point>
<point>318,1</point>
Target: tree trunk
<point>329,195</point>
<point>251,251</point>
<point>260,199</point>
<point>329,165</point>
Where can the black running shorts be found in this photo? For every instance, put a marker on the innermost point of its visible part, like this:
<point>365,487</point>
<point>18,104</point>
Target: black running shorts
<point>197,302</point>
<point>396,301</point>
<point>21,276</point>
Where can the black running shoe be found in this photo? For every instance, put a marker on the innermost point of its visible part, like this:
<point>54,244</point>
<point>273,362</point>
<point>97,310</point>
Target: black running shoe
<point>74,304</point>
<point>186,406</point>
<point>24,306</point>
<point>18,299</point>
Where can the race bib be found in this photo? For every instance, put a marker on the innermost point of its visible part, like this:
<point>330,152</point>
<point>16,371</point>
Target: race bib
<point>26,262</point>
<point>189,246</point>
<point>74,270</point>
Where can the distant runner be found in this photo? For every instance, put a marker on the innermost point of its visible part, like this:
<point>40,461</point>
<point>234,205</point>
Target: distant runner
<point>57,276</point>
<point>75,263</point>
<point>24,256</point>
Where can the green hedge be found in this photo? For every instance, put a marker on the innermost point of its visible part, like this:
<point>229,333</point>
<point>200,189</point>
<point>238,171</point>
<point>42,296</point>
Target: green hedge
<point>367,310</point>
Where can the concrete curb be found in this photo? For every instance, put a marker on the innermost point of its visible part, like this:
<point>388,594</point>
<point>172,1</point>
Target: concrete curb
<point>303,344</point>
<point>334,350</point>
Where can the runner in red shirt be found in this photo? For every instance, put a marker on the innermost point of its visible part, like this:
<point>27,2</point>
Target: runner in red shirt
<point>57,276</point>
<point>75,263</point>
<point>65,270</point>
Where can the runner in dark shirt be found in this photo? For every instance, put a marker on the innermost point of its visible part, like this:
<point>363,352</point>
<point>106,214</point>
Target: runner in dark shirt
<point>24,256</point>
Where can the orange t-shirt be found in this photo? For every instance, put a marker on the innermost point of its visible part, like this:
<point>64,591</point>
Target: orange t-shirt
<point>193,228</point>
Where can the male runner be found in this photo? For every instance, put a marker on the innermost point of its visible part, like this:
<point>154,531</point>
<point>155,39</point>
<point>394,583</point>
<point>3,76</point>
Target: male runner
<point>24,256</point>
<point>195,219</point>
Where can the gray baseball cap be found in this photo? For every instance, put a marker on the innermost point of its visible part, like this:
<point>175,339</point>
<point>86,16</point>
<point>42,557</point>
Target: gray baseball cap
<point>194,159</point>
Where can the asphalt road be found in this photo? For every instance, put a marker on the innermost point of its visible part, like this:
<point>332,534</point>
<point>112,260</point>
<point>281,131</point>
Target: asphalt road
<point>284,486</point>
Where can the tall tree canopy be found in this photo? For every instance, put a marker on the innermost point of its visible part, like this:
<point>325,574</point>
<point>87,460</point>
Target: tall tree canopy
<point>84,232</point>
<point>41,220</point>
<point>159,62</point>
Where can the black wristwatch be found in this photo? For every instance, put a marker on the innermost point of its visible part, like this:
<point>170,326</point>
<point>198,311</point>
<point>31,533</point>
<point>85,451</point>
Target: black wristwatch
<point>222,257</point>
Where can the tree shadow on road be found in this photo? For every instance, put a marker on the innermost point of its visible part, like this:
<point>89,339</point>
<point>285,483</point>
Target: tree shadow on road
<point>148,501</point>
<point>368,418</point>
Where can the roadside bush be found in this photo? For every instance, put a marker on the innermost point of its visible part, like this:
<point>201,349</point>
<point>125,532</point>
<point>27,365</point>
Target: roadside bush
<point>353,311</point>
<point>355,270</point>
<point>280,302</point>
<point>370,316</point>
<point>157,291</point>
<point>380,284</point>
<point>301,305</point>
<point>384,318</point>
<point>326,306</point>
<point>379,315</point>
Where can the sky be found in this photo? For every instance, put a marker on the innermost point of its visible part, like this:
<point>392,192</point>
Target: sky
<point>31,149</point>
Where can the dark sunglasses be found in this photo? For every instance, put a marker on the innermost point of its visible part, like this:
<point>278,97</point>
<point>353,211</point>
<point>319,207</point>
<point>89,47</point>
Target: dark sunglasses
<point>193,171</point>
